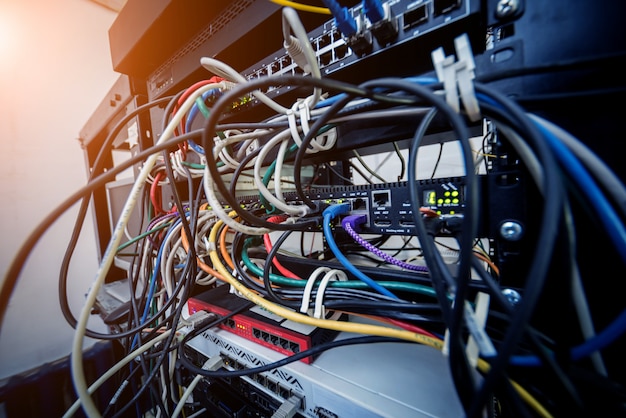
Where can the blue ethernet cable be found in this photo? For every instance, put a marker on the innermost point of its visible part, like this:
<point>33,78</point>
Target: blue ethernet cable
<point>568,161</point>
<point>601,340</point>
<point>613,225</point>
<point>193,112</point>
<point>424,81</point>
<point>329,214</point>
<point>153,278</point>
<point>344,21</point>
<point>373,10</point>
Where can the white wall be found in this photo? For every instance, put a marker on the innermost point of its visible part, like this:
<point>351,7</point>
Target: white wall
<point>55,68</point>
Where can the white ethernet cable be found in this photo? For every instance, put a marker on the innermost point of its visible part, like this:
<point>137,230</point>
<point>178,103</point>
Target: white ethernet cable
<point>215,203</point>
<point>212,363</point>
<point>78,374</point>
<point>185,171</point>
<point>278,170</point>
<point>333,275</point>
<point>247,138</point>
<point>298,47</point>
<point>225,71</point>
<point>308,288</point>
<point>171,245</point>
<point>322,142</point>
<point>283,136</point>
<point>300,50</point>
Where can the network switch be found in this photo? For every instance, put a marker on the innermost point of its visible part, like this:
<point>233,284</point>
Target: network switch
<point>371,380</point>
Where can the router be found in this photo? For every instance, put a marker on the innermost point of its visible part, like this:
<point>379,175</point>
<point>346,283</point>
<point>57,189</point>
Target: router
<point>259,325</point>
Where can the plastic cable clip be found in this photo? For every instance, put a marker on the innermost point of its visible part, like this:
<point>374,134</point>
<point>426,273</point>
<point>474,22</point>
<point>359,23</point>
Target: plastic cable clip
<point>457,76</point>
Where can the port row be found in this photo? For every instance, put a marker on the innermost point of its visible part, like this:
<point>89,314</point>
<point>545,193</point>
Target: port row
<point>273,386</point>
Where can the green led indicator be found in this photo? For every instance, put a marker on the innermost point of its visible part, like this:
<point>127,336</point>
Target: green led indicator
<point>430,197</point>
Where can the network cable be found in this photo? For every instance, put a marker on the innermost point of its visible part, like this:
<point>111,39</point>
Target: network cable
<point>213,237</point>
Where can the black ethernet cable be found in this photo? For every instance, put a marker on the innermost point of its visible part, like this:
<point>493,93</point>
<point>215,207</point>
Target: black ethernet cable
<point>553,192</point>
<point>188,364</point>
<point>82,212</point>
<point>231,198</point>
<point>240,90</point>
<point>459,364</point>
<point>271,254</point>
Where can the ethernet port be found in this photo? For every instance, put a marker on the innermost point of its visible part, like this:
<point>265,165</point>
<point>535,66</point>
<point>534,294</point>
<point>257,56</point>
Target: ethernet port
<point>256,333</point>
<point>359,204</point>
<point>385,30</point>
<point>415,16</point>
<point>272,385</point>
<point>361,43</point>
<point>285,62</point>
<point>324,40</point>
<point>444,6</point>
<point>294,347</point>
<point>326,58</point>
<point>381,198</point>
<point>341,51</point>
<point>283,343</point>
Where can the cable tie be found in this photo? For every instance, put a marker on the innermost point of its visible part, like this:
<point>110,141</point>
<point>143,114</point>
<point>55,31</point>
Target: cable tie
<point>457,76</point>
<point>305,115</point>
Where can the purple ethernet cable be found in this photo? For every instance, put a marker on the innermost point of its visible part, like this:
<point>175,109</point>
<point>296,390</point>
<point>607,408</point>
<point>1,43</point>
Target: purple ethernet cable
<point>349,225</point>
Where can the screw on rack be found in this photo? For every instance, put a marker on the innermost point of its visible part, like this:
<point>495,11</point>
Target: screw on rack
<point>511,230</point>
<point>506,8</point>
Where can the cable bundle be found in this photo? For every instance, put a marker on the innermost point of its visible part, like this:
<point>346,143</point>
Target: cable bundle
<point>498,351</point>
